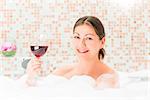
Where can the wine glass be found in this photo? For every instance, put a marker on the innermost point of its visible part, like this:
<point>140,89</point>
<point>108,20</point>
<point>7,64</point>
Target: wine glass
<point>38,50</point>
<point>39,46</point>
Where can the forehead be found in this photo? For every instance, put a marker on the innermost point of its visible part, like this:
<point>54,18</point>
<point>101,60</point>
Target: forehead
<point>85,29</point>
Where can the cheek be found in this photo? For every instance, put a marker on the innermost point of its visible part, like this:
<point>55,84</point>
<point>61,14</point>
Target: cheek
<point>75,43</point>
<point>95,47</point>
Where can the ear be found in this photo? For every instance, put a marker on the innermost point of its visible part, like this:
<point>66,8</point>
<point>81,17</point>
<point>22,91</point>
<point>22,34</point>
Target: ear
<point>103,41</point>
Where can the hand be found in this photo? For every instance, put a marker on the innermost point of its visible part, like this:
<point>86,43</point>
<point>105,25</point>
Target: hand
<point>33,70</point>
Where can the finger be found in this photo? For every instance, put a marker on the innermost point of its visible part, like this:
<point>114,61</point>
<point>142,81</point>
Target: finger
<point>37,59</point>
<point>36,62</point>
<point>36,68</point>
<point>38,71</point>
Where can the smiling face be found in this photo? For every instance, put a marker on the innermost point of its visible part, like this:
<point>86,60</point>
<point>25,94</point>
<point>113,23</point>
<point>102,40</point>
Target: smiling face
<point>86,42</point>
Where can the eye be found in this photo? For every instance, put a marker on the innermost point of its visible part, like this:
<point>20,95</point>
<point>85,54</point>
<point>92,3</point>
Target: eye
<point>76,37</point>
<point>89,38</point>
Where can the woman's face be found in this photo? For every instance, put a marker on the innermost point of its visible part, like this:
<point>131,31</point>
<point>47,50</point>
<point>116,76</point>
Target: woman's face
<point>86,42</point>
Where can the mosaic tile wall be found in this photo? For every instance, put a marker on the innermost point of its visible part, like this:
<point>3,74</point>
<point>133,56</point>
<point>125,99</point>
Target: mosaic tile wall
<point>126,22</point>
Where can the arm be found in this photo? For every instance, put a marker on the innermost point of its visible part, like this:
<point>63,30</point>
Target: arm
<point>34,69</point>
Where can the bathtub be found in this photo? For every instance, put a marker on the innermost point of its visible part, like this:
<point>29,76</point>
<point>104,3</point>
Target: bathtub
<point>133,86</point>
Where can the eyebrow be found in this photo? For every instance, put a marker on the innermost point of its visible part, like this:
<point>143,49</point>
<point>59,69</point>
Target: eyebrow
<point>85,34</point>
<point>76,33</point>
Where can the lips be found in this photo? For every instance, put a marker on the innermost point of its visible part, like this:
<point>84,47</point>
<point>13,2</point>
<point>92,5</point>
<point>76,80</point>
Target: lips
<point>82,51</point>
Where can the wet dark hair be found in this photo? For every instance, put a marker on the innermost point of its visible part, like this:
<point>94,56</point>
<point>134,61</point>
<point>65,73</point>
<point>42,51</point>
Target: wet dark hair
<point>98,27</point>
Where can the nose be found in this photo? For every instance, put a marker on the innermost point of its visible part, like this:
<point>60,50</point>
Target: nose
<point>82,43</point>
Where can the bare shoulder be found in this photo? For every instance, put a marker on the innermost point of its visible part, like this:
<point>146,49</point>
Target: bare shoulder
<point>109,73</point>
<point>63,70</point>
<point>109,78</point>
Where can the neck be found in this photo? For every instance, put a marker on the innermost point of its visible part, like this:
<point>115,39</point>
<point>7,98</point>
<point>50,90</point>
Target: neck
<point>89,65</point>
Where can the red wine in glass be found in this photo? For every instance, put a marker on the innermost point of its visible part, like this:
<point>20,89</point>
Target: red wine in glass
<point>38,51</point>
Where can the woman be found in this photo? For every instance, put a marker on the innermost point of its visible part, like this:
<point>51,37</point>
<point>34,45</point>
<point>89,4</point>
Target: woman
<point>88,40</point>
